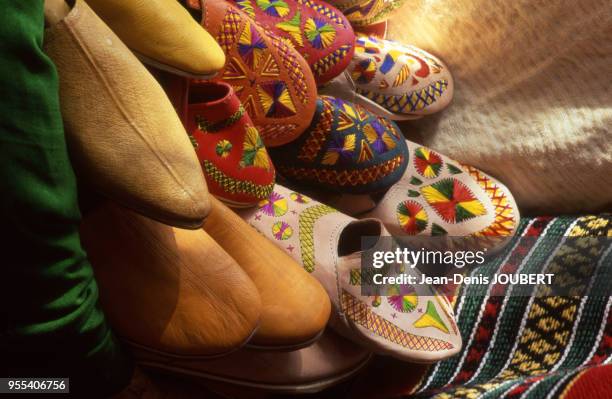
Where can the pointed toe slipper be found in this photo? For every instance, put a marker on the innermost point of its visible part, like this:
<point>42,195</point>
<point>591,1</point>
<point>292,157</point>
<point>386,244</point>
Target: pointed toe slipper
<point>163,35</point>
<point>346,149</point>
<point>166,291</point>
<point>235,162</point>
<point>393,80</point>
<point>295,307</point>
<point>327,244</point>
<point>438,196</point>
<point>367,12</point>
<point>133,148</point>
<point>318,31</point>
<point>272,80</point>
<point>323,364</point>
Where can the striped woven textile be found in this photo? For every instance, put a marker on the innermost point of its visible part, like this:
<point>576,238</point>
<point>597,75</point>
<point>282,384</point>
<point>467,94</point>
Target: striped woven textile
<point>523,346</point>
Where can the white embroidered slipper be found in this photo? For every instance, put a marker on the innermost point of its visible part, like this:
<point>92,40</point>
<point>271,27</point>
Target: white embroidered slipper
<point>393,80</point>
<point>414,323</point>
<point>438,196</point>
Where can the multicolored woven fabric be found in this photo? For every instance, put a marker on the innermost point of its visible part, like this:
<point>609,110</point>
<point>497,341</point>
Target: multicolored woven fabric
<point>272,80</point>
<point>533,346</point>
<point>315,29</point>
<point>346,149</point>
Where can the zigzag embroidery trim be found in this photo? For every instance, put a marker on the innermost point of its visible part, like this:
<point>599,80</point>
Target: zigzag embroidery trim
<point>345,177</point>
<point>234,186</point>
<point>324,64</point>
<point>410,102</point>
<point>307,221</point>
<point>362,314</point>
<point>210,127</point>
<point>504,222</point>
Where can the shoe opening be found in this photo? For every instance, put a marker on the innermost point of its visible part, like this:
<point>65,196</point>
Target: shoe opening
<point>208,92</point>
<point>350,238</point>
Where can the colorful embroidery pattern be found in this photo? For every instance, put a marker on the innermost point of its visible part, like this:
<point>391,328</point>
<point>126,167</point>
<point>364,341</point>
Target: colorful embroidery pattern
<point>299,198</point>
<point>403,298</point>
<point>320,34</point>
<point>281,231</point>
<point>308,218</point>
<point>402,79</point>
<point>234,186</point>
<point>271,80</point>
<point>411,102</point>
<point>274,205</point>
<point>427,162</point>
<point>254,153</point>
<point>411,217</point>
<point>323,65</point>
<point>505,220</point>
<point>251,46</point>
<point>345,178</point>
<point>275,8</point>
<point>275,99</point>
<point>453,201</point>
<point>362,314</point>
<point>207,127</point>
<point>223,148</point>
<point>431,318</point>
<point>346,148</point>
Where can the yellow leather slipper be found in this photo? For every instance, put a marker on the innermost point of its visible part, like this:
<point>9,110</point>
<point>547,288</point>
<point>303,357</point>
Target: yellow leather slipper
<point>172,292</point>
<point>295,307</point>
<point>124,137</point>
<point>164,35</point>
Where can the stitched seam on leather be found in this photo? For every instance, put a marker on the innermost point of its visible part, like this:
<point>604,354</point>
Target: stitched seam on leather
<point>85,50</point>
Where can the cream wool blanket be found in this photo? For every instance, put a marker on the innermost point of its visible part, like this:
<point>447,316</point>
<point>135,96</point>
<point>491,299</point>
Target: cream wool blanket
<point>533,99</point>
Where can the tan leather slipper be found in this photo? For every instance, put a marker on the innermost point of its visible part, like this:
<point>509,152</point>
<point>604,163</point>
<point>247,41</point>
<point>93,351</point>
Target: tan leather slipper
<point>172,292</point>
<point>328,362</point>
<point>295,307</point>
<point>124,137</point>
<point>164,35</point>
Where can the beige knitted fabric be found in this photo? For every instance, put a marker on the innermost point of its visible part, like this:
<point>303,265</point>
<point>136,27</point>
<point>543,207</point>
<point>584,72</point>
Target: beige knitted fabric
<point>533,100</point>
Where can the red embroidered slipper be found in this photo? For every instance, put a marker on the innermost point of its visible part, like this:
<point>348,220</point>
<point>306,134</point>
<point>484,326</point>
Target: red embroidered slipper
<point>272,80</point>
<point>235,162</point>
<point>320,32</point>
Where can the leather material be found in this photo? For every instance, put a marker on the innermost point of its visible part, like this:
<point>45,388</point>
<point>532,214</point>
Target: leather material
<point>327,244</point>
<point>166,290</point>
<point>315,29</point>
<point>163,31</point>
<point>367,12</point>
<point>394,80</point>
<point>295,308</point>
<point>346,149</point>
<point>327,362</point>
<point>272,80</point>
<point>236,164</point>
<point>125,139</point>
<point>438,196</point>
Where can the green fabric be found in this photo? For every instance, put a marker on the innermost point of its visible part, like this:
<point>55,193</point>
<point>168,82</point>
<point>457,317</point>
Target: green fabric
<point>51,322</point>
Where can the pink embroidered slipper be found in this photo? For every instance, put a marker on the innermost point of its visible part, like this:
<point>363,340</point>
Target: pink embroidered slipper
<point>346,149</point>
<point>394,80</point>
<point>367,12</point>
<point>413,323</point>
<point>272,80</point>
<point>315,29</point>
<point>437,196</point>
<point>235,162</point>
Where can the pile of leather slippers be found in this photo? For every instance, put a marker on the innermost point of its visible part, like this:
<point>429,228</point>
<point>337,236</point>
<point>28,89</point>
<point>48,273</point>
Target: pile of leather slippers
<point>182,116</point>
